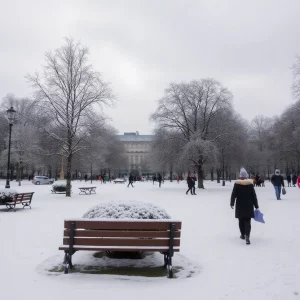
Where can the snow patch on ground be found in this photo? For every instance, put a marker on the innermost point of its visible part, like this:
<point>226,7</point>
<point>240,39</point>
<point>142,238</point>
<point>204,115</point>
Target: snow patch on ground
<point>268,269</point>
<point>87,260</point>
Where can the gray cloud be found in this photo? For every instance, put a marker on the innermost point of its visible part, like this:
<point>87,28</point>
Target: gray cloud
<point>141,46</point>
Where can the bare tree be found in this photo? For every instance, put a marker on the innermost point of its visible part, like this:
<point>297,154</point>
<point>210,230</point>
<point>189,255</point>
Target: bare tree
<point>166,151</point>
<point>66,91</point>
<point>231,141</point>
<point>189,109</point>
<point>296,75</point>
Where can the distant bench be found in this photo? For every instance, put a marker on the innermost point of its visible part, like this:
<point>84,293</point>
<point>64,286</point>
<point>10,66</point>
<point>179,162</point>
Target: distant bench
<point>20,198</point>
<point>119,235</point>
<point>87,190</point>
<point>119,180</point>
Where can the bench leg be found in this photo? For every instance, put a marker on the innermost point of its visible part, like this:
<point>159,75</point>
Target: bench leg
<point>26,204</point>
<point>170,268</point>
<point>68,262</point>
<point>9,207</point>
<point>165,260</point>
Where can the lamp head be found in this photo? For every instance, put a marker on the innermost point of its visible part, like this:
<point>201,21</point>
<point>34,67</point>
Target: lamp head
<point>11,114</point>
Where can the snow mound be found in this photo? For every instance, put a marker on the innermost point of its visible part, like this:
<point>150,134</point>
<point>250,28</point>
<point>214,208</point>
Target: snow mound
<point>126,210</point>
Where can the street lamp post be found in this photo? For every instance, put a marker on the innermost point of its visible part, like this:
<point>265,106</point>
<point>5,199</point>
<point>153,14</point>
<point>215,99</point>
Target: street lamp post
<point>11,117</point>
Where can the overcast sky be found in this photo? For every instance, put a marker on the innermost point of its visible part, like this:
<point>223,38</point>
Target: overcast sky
<point>141,46</point>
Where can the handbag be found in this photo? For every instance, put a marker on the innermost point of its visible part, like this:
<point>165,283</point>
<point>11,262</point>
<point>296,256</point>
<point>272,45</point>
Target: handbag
<point>259,216</point>
<point>283,191</point>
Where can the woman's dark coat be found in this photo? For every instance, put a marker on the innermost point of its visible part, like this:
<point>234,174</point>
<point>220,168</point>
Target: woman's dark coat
<point>190,181</point>
<point>244,195</point>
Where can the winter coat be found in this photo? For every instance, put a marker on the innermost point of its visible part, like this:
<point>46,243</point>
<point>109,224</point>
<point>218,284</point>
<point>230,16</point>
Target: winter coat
<point>194,179</point>
<point>294,179</point>
<point>244,195</point>
<point>130,178</point>
<point>289,178</point>
<point>159,178</point>
<point>190,181</point>
<point>277,180</point>
<point>298,181</point>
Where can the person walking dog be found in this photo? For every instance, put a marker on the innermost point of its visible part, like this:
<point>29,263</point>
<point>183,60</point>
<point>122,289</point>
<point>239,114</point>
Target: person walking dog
<point>244,198</point>
<point>277,181</point>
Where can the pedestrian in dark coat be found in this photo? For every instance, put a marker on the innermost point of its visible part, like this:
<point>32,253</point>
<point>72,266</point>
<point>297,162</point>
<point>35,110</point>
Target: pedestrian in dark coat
<point>154,179</point>
<point>277,181</point>
<point>194,178</point>
<point>85,177</point>
<point>294,179</point>
<point>189,182</point>
<point>289,179</point>
<point>130,180</point>
<point>159,179</point>
<point>244,198</point>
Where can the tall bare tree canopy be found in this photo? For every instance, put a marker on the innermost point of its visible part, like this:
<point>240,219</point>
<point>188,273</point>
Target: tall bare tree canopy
<point>190,109</point>
<point>66,91</point>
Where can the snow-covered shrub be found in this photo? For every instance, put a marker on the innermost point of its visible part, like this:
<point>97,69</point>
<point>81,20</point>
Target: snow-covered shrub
<point>59,188</point>
<point>126,210</point>
<point>6,195</point>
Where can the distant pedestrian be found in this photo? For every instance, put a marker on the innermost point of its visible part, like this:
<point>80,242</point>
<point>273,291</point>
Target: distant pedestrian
<point>189,182</point>
<point>294,179</point>
<point>277,181</point>
<point>154,179</point>
<point>159,178</point>
<point>298,181</point>
<point>130,180</point>
<point>289,180</point>
<point>177,178</point>
<point>85,177</point>
<point>244,198</point>
<point>194,178</point>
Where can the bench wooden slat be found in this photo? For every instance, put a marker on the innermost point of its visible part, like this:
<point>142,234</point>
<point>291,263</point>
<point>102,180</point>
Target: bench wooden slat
<point>121,233</point>
<point>121,242</point>
<point>126,249</point>
<point>117,225</point>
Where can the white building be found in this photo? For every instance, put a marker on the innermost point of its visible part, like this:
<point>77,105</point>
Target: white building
<point>137,147</point>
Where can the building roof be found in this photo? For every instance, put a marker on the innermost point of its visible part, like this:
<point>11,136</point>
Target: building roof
<point>135,138</point>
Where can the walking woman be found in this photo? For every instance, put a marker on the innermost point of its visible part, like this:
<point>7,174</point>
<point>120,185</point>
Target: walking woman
<point>190,182</point>
<point>244,197</point>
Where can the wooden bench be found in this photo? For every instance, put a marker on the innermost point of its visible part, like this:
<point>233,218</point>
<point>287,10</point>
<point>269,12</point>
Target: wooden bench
<point>120,235</point>
<point>20,198</point>
<point>87,190</point>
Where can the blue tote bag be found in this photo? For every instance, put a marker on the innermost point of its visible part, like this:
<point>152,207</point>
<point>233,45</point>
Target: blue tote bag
<point>259,216</point>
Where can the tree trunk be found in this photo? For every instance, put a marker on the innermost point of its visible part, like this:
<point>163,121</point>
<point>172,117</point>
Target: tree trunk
<point>92,173</point>
<point>171,174</point>
<point>200,176</point>
<point>69,166</point>
<point>212,174</point>
<point>218,175</point>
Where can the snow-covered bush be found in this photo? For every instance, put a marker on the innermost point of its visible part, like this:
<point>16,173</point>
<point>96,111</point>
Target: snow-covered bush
<point>6,195</point>
<point>59,188</point>
<point>126,210</point>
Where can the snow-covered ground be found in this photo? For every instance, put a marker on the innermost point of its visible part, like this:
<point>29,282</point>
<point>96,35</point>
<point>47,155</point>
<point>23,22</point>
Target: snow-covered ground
<point>228,269</point>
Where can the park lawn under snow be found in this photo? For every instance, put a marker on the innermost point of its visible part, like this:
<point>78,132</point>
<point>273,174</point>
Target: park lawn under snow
<point>226,268</point>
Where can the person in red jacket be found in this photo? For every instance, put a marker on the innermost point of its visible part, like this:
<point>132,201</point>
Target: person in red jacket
<point>298,181</point>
